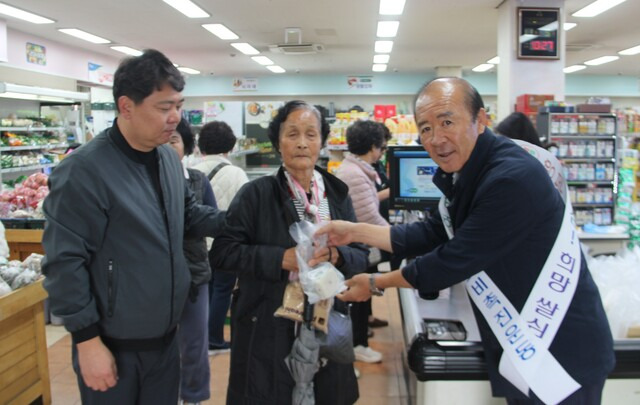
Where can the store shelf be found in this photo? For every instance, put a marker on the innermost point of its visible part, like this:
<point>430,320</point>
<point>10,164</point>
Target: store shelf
<point>583,136</point>
<point>590,205</point>
<point>31,129</point>
<point>34,147</point>
<point>26,168</point>
<point>597,183</point>
<point>587,159</point>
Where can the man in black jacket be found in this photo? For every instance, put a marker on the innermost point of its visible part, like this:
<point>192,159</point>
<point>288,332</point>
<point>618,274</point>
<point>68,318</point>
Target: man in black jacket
<point>116,216</point>
<point>505,214</point>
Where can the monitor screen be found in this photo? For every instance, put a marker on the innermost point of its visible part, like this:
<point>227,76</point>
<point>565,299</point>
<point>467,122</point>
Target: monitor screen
<point>411,172</point>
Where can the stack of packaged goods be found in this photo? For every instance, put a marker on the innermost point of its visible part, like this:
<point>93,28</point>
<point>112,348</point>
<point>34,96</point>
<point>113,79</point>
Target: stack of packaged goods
<point>627,207</point>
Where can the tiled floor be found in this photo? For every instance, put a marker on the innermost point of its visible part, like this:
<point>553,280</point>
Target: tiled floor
<point>379,384</point>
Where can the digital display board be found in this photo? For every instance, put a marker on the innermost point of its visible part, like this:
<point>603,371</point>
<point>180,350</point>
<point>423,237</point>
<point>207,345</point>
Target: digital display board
<point>538,34</point>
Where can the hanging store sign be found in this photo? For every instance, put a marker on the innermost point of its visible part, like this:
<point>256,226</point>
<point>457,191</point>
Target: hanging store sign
<point>538,33</point>
<point>245,84</point>
<point>360,82</point>
<point>36,54</point>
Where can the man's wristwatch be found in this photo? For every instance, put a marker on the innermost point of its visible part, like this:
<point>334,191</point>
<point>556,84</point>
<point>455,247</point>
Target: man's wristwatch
<point>372,287</point>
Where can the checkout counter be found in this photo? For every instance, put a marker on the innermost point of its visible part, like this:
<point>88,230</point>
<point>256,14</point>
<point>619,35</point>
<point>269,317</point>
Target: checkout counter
<point>453,372</point>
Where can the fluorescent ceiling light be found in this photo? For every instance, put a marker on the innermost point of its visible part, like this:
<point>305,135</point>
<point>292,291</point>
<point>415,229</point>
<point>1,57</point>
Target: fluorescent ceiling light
<point>391,7</point>
<point>601,60</point>
<point>220,31</point>
<point>568,26</point>
<point>11,90</point>
<point>263,60</point>
<point>597,7</point>
<point>188,70</point>
<point>74,32</point>
<point>245,48</point>
<point>387,29</point>
<point>573,68</point>
<point>630,51</point>
<point>527,37</point>
<point>380,58</point>
<point>276,69</point>
<point>494,61</point>
<point>23,15</point>
<point>127,50</point>
<point>483,67</point>
<point>383,46</point>
<point>379,67</point>
<point>188,8</point>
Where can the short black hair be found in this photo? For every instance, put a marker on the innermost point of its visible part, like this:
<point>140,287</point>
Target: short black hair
<point>216,137</point>
<point>283,113</point>
<point>137,77</point>
<point>184,129</point>
<point>473,100</point>
<point>362,136</point>
<point>519,126</point>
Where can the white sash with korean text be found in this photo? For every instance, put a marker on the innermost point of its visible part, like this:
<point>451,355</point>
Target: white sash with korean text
<point>525,337</point>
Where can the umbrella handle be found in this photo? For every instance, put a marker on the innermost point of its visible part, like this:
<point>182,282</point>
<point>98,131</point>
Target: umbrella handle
<point>307,315</point>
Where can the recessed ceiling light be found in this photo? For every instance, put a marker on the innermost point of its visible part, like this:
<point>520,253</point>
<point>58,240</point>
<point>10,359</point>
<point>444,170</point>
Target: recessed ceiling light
<point>573,68</point>
<point>630,51</point>
<point>567,26</point>
<point>188,70</point>
<point>380,58</point>
<point>483,67</point>
<point>127,50</point>
<point>276,69</point>
<point>391,7</point>
<point>263,60</point>
<point>597,7</point>
<point>74,32</point>
<point>23,15</point>
<point>601,60</point>
<point>387,29</point>
<point>245,48</point>
<point>188,8</point>
<point>494,61</point>
<point>220,31</point>
<point>379,67</point>
<point>383,46</point>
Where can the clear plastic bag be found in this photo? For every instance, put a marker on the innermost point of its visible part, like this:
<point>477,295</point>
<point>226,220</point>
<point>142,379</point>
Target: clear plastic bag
<point>322,281</point>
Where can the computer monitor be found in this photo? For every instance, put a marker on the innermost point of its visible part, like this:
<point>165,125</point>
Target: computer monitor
<point>411,172</point>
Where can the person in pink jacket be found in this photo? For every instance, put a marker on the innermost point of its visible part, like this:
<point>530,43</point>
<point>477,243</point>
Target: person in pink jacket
<point>367,142</point>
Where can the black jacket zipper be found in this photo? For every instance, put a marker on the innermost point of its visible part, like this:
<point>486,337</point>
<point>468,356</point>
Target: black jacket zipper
<point>110,288</point>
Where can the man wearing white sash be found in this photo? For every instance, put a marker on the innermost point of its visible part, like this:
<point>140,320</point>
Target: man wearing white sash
<point>505,230</point>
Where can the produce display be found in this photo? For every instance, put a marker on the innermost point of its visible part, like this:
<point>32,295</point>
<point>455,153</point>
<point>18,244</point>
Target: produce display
<point>24,200</point>
<point>15,274</point>
<point>17,138</point>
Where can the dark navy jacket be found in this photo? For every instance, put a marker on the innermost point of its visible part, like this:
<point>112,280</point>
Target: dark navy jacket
<point>506,215</point>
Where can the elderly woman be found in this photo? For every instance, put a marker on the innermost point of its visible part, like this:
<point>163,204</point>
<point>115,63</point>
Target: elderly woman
<point>367,142</point>
<point>256,244</point>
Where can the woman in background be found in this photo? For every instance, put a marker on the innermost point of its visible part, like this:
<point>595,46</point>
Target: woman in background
<point>215,141</point>
<point>519,126</point>
<point>192,329</point>
<point>367,143</point>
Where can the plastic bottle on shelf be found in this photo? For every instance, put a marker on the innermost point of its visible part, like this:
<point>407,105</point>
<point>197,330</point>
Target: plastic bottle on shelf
<point>555,126</point>
<point>564,126</point>
<point>573,126</point>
